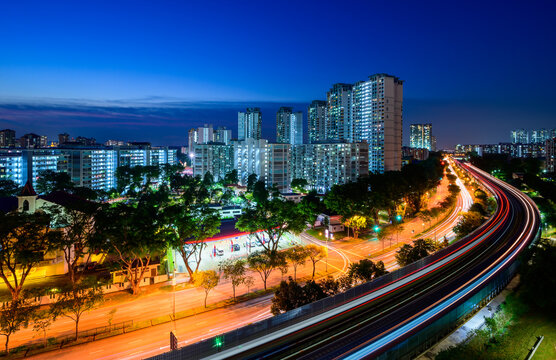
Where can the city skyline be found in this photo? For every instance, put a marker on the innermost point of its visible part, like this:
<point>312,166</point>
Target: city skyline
<point>120,74</point>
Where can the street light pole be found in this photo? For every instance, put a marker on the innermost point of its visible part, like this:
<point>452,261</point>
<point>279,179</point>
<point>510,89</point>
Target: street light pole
<point>326,234</point>
<point>174,298</point>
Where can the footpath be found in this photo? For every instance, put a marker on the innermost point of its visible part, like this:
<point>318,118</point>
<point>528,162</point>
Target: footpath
<point>477,321</point>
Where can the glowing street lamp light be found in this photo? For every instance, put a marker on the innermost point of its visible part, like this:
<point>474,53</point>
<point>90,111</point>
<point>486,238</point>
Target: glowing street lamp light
<point>398,218</point>
<point>376,228</point>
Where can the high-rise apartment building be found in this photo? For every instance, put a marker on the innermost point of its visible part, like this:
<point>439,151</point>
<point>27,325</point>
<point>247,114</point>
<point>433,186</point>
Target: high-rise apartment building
<point>249,124</point>
<point>63,138</point>
<point>200,135</point>
<point>378,118</point>
<point>339,122</point>
<point>550,155</point>
<point>540,136</point>
<point>7,138</point>
<point>520,136</point>
<point>11,166</point>
<point>420,136</point>
<point>92,167</point>
<point>324,165</point>
<point>205,134</point>
<point>33,141</point>
<point>278,170</point>
<point>216,158</point>
<point>222,135</point>
<point>250,157</point>
<point>316,121</point>
<point>289,126</point>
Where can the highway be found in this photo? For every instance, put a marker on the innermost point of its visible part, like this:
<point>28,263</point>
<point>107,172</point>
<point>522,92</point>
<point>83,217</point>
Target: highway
<point>392,311</point>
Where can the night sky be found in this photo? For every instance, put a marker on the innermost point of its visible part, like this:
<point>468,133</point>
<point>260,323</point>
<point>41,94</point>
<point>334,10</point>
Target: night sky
<point>142,71</point>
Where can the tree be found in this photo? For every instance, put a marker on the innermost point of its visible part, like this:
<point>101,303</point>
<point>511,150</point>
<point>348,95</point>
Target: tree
<point>231,177</point>
<point>251,180</point>
<point>265,261</point>
<point>426,216</point>
<point>15,315</point>
<point>50,181</point>
<point>380,269</point>
<point>297,256</point>
<point>76,235</point>
<point>398,228</point>
<point>260,193</point>
<point>362,271</point>
<point>8,188</point>
<point>135,233</point>
<point>421,248</point>
<point>347,199</point>
<point>330,286</point>
<point>208,280</point>
<point>469,222</point>
<point>316,253</point>
<point>24,240</point>
<point>453,189</point>
<point>267,221</point>
<point>404,255</point>
<point>208,179</point>
<point>313,292</point>
<point>383,236</point>
<point>310,206</point>
<point>191,226</point>
<point>234,270</point>
<point>41,323</point>
<point>299,185</point>
<point>356,223</point>
<point>537,276</point>
<point>289,296</point>
<point>75,302</point>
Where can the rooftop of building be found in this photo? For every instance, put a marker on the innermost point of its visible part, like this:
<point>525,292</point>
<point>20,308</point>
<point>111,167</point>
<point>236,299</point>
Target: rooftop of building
<point>227,230</point>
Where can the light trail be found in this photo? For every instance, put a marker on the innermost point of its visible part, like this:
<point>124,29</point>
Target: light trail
<point>484,242</point>
<point>374,345</point>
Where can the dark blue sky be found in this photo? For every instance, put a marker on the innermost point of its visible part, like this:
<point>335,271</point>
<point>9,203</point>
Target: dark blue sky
<point>136,70</point>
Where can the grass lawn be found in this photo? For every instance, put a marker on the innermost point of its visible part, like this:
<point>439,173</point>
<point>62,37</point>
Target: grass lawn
<point>514,344</point>
<point>522,336</point>
<point>319,234</point>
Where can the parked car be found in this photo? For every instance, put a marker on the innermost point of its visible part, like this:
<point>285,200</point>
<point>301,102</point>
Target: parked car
<point>236,247</point>
<point>219,252</point>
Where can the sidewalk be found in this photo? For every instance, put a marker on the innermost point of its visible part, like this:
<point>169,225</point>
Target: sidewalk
<point>464,332</point>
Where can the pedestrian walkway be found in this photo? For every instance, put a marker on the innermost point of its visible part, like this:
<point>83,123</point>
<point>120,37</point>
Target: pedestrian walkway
<point>464,332</point>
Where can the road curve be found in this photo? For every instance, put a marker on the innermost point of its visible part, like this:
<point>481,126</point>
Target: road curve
<point>392,311</point>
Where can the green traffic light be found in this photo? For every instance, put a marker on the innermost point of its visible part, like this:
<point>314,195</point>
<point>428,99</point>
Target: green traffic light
<point>376,228</point>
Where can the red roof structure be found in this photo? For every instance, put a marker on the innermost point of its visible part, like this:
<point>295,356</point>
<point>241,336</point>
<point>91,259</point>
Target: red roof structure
<point>28,190</point>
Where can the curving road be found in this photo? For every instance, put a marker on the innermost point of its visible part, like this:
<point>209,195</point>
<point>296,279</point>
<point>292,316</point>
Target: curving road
<point>399,306</point>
